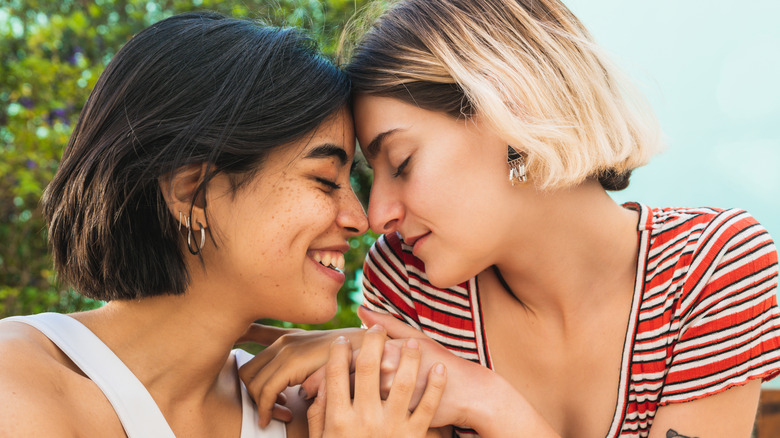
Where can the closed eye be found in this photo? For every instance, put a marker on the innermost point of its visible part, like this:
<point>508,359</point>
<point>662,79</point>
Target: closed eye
<point>328,183</point>
<point>401,168</point>
<point>357,162</point>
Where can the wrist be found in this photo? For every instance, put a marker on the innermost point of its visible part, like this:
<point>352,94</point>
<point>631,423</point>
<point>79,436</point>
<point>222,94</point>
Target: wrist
<point>489,394</point>
<point>494,408</point>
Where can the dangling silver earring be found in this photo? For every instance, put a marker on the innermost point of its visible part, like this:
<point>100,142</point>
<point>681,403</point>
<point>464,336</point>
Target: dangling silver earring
<point>516,162</point>
<point>180,216</point>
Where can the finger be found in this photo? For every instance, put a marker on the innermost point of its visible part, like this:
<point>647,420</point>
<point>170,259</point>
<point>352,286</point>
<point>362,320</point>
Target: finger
<point>281,413</point>
<point>429,403</point>
<point>284,368</point>
<point>394,327</point>
<point>405,378</point>
<point>256,371</point>
<point>269,385</point>
<point>337,375</point>
<point>264,334</point>
<point>391,359</point>
<point>367,366</point>
<point>310,386</point>
<point>265,387</point>
<point>316,414</point>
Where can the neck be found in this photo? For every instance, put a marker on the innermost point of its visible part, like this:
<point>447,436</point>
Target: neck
<point>177,346</point>
<point>581,252</point>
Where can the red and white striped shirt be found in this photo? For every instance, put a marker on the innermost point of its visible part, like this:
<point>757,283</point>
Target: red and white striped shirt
<point>704,316</point>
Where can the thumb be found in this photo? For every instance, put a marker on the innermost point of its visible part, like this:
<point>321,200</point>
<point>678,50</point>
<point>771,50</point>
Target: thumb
<point>395,328</point>
<point>263,334</point>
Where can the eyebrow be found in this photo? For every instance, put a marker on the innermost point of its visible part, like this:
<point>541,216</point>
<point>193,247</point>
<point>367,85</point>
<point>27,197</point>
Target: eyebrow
<point>375,146</point>
<point>329,150</point>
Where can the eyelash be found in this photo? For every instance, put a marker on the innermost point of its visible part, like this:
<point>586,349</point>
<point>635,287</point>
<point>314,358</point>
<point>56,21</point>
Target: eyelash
<point>355,164</point>
<point>401,168</point>
<point>328,183</point>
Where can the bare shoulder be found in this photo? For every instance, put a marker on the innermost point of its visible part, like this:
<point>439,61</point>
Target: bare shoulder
<point>32,402</point>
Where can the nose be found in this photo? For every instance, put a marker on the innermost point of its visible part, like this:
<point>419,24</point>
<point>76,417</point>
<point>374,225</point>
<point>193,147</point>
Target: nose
<point>351,216</point>
<point>385,210</point>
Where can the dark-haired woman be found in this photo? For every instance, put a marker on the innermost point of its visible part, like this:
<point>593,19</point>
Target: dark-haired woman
<point>206,185</point>
<point>495,129</point>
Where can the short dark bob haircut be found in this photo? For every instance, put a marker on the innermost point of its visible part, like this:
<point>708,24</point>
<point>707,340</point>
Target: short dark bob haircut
<point>193,88</point>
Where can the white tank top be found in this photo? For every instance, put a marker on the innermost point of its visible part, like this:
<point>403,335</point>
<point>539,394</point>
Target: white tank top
<point>139,414</point>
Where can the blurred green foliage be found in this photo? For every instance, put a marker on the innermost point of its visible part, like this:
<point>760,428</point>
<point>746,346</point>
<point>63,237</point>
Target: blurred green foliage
<point>52,53</point>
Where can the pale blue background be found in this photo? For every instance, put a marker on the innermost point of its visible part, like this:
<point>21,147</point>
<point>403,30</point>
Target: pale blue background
<point>711,71</point>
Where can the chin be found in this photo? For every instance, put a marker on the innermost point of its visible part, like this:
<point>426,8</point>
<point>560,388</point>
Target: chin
<point>445,278</point>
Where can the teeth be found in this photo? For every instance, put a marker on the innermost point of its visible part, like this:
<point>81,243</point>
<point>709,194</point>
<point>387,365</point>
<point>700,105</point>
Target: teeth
<point>330,259</point>
<point>326,259</point>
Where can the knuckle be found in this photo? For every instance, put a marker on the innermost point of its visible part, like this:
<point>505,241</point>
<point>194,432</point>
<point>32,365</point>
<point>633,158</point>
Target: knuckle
<point>403,385</point>
<point>388,366</point>
<point>426,407</point>
<point>266,398</point>
<point>364,371</point>
<point>334,369</point>
<point>255,389</point>
<point>412,353</point>
<point>332,373</point>
<point>285,340</point>
<point>365,365</point>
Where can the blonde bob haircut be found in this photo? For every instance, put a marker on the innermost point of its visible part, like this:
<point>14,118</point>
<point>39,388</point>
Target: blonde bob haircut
<point>527,68</point>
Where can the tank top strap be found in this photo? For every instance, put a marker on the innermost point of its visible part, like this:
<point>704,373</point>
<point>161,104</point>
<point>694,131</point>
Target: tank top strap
<point>135,407</point>
<point>250,417</point>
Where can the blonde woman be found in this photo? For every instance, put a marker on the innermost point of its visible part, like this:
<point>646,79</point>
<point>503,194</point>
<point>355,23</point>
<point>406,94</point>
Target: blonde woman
<point>494,129</point>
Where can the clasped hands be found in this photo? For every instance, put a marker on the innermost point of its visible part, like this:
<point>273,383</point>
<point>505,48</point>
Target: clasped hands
<point>364,383</point>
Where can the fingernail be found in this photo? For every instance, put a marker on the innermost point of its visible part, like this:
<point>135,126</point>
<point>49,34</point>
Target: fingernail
<point>376,328</point>
<point>439,369</point>
<point>341,340</point>
<point>412,343</point>
<point>363,306</point>
<point>302,393</point>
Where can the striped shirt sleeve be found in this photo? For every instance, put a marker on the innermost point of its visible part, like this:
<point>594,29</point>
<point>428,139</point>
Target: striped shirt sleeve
<point>386,281</point>
<point>728,319</point>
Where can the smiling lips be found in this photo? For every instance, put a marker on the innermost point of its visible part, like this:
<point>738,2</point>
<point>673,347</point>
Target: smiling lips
<point>411,240</point>
<point>330,259</point>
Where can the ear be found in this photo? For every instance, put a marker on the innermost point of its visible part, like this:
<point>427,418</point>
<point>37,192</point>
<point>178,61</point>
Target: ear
<point>178,189</point>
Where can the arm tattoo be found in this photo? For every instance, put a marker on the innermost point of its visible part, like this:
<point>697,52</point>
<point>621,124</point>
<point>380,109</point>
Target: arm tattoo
<point>671,433</point>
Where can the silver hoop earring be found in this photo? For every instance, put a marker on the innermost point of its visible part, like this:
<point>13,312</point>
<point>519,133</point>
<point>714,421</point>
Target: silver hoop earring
<point>195,251</point>
<point>516,162</point>
<point>180,216</point>
<point>202,236</point>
